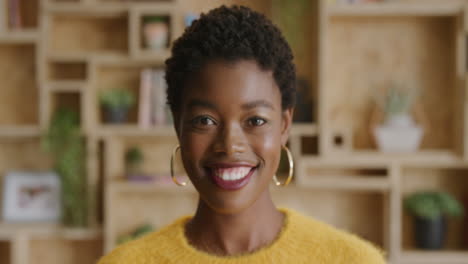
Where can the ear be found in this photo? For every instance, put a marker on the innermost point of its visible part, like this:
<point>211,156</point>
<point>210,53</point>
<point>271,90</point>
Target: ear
<point>286,123</point>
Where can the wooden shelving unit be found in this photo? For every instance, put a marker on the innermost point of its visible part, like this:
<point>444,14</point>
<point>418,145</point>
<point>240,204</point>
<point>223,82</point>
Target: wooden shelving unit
<point>71,50</point>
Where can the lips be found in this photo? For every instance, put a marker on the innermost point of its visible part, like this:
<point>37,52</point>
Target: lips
<point>231,177</point>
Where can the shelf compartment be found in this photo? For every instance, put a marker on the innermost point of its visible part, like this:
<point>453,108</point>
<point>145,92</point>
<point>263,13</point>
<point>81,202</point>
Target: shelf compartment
<point>349,211</point>
<point>71,33</point>
<point>138,47</point>
<point>130,210</point>
<point>17,72</point>
<point>453,180</point>
<point>155,163</point>
<point>67,71</point>
<point>27,15</point>
<point>352,56</point>
<point>122,76</point>
<point>71,100</point>
<point>33,157</point>
<point>5,249</point>
<point>84,251</point>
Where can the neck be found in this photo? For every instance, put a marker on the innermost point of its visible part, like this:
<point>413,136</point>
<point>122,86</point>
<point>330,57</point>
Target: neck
<point>237,233</point>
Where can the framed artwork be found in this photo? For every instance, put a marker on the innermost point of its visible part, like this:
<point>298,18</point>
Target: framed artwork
<point>31,197</point>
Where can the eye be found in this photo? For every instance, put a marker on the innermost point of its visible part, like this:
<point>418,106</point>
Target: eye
<point>256,121</point>
<point>203,121</point>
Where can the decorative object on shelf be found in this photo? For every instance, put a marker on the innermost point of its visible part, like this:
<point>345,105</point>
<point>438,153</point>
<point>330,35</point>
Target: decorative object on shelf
<point>430,209</point>
<point>139,232</point>
<point>156,32</point>
<point>341,140</point>
<point>14,14</point>
<point>304,104</point>
<point>31,196</point>
<point>189,18</point>
<point>465,225</point>
<point>116,103</point>
<point>133,161</point>
<point>63,139</point>
<point>153,110</point>
<point>398,132</point>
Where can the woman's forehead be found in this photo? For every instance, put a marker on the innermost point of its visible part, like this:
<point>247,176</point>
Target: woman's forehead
<point>240,82</point>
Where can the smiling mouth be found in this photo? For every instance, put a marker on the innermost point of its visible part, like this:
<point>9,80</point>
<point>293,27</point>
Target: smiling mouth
<point>232,178</point>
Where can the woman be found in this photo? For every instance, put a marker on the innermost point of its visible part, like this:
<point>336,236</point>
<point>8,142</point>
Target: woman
<point>231,89</point>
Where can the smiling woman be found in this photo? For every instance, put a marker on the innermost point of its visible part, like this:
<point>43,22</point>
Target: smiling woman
<point>231,84</point>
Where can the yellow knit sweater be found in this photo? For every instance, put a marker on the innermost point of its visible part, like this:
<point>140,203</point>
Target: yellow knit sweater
<point>302,240</point>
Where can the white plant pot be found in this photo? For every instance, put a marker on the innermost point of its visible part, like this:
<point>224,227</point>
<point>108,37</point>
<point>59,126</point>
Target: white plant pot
<point>399,134</point>
<point>156,35</point>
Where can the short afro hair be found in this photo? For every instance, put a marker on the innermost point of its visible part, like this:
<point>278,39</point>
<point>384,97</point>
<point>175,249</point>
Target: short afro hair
<point>230,34</point>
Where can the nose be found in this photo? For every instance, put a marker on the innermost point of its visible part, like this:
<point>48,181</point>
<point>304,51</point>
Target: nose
<point>230,140</point>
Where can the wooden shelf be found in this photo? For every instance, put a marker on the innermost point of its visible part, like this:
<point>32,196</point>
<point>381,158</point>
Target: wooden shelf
<point>66,86</point>
<point>156,57</point>
<point>436,257</point>
<point>86,9</point>
<point>395,9</point>
<point>436,159</point>
<point>145,187</point>
<point>23,36</point>
<point>19,131</point>
<point>301,129</point>
<point>348,183</point>
<point>135,131</point>
<point>45,230</point>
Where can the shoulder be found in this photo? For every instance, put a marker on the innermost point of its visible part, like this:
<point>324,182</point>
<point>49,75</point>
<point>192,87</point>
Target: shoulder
<point>332,244</point>
<point>151,248</point>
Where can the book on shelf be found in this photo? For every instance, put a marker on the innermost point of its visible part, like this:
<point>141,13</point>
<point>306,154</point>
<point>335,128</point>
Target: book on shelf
<point>14,14</point>
<point>153,110</point>
<point>144,111</point>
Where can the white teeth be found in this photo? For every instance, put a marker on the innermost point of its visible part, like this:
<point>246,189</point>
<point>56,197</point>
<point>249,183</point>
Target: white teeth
<point>232,174</point>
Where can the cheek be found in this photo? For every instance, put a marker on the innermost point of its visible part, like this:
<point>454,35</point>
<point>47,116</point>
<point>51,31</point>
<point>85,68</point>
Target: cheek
<point>194,146</point>
<point>268,149</point>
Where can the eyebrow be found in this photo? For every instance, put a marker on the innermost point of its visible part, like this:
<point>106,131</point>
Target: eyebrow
<point>258,103</point>
<point>247,106</point>
<point>200,103</point>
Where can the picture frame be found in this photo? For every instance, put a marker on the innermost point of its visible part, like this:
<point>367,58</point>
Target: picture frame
<point>31,197</point>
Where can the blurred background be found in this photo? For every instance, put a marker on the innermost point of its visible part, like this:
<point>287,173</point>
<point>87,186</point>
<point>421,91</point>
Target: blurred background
<point>380,140</point>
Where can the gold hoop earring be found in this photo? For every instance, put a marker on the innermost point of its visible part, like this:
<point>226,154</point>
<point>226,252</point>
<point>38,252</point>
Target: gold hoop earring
<point>174,179</point>
<point>291,169</point>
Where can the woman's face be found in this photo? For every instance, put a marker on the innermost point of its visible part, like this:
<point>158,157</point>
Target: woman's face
<point>231,128</point>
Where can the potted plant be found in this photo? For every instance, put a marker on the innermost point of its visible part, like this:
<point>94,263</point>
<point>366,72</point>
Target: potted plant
<point>133,160</point>
<point>64,141</point>
<point>398,132</point>
<point>116,103</point>
<point>430,209</point>
<point>155,32</point>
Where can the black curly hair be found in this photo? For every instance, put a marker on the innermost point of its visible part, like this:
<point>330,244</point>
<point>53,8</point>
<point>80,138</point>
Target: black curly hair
<point>230,34</point>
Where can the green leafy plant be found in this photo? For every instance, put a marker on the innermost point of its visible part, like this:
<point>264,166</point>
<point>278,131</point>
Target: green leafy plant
<point>117,98</point>
<point>64,141</point>
<point>396,101</point>
<point>431,205</point>
<point>133,156</point>
<point>154,19</point>
<point>137,233</point>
